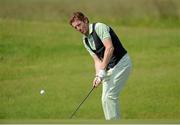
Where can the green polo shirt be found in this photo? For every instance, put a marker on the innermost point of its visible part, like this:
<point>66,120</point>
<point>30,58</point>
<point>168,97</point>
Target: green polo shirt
<point>102,31</point>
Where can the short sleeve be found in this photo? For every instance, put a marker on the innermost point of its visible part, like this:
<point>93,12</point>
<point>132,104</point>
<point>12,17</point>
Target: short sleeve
<point>102,31</point>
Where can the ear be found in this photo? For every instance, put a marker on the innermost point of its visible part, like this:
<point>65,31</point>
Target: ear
<point>85,20</point>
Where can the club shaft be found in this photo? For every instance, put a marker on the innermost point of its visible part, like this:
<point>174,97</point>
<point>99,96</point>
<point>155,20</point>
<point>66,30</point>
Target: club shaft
<point>81,103</point>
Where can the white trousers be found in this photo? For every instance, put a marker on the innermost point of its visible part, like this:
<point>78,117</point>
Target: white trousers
<point>112,86</point>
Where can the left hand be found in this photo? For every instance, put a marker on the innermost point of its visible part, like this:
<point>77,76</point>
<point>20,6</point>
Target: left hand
<point>102,73</point>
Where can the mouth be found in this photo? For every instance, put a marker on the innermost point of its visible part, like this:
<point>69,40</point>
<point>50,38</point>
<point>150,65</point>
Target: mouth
<point>82,31</point>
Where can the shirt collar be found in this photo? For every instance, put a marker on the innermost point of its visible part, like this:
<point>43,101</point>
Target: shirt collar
<point>90,28</point>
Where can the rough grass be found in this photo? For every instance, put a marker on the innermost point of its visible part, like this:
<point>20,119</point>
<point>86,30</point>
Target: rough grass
<point>161,13</point>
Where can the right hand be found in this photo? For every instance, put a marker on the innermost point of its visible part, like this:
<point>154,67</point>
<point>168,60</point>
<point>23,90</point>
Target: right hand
<point>97,81</point>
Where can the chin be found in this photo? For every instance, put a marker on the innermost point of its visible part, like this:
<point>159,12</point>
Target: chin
<point>83,33</point>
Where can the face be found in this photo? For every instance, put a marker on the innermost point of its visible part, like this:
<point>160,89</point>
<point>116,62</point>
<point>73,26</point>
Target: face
<point>81,26</point>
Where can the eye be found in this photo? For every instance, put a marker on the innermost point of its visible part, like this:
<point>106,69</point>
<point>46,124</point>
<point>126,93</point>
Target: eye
<point>77,26</point>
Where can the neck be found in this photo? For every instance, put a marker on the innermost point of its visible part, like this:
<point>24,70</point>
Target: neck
<point>87,33</point>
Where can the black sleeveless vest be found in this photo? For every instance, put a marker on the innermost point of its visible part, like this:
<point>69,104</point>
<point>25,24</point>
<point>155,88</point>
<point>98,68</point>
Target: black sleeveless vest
<point>119,50</point>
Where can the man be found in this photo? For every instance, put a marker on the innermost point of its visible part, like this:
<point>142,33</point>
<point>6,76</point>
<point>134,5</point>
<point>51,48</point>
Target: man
<point>112,63</point>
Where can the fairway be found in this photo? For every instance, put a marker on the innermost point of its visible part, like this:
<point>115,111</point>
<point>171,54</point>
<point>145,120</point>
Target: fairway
<point>48,54</point>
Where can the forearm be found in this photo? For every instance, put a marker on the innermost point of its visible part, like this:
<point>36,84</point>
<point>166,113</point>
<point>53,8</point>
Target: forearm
<point>107,56</point>
<point>97,64</point>
<point>101,65</point>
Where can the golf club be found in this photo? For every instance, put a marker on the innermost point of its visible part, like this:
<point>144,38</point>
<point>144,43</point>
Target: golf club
<point>81,103</point>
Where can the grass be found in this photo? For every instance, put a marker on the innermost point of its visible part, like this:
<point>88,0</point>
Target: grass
<point>36,54</point>
<point>33,58</point>
<point>161,13</point>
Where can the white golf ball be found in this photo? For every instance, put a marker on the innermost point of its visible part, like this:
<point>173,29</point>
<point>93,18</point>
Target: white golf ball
<point>42,92</point>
